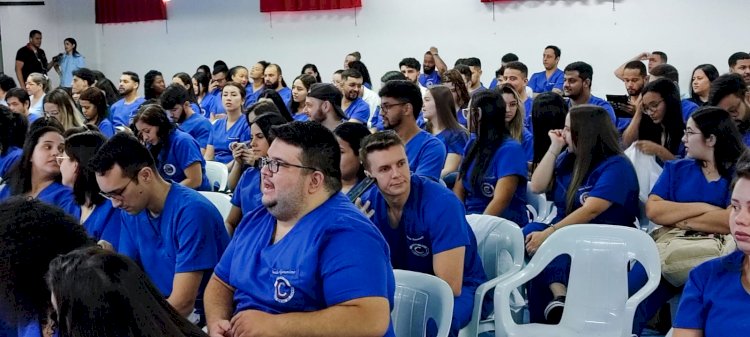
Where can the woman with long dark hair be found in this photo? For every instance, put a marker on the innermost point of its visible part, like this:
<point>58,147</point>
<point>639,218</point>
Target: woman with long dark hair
<point>300,87</point>
<point>548,113</point>
<point>311,70</point>
<point>438,109</point>
<point>177,154</point>
<point>353,180</point>
<point>186,82</point>
<point>93,103</point>
<point>68,62</point>
<point>273,96</point>
<point>700,83</point>
<point>153,84</point>
<point>493,174</point>
<point>12,135</point>
<point>200,87</point>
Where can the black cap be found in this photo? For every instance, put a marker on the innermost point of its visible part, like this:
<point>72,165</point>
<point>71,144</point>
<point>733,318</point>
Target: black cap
<point>328,92</point>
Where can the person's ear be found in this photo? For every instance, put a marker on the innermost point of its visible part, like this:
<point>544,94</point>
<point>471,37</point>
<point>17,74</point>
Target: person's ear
<point>711,140</point>
<point>317,181</point>
<point>587,82</point>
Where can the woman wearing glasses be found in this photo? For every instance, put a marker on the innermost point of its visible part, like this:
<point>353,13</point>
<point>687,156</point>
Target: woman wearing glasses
<point>37,173</point>
<point>661,133</point>
<point>37,86</point>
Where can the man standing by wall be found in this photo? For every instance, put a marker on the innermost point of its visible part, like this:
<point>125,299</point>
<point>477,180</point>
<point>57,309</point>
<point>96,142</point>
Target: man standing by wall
<point>31,58</point>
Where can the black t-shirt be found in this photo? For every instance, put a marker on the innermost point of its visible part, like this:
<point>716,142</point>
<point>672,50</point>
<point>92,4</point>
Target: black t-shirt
<point>32,62</point>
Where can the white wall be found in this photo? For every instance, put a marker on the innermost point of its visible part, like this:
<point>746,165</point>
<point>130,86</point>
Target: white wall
<point>600,32</point>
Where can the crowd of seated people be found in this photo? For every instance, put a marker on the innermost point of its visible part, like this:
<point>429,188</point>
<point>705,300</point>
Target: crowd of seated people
<point>335,185</point>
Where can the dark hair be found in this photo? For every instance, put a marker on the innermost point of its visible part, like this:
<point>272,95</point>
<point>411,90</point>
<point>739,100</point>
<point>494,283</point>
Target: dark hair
<point>98,99</point>
<point>220,64</point>
<point>672,124</point>
<point>356,54</point>
<point>133,76</point>
<point>175,94</point>
<point>234,70</point>
<point>266,121</point>
<point>85,74</point>
<point>362,68</point>
<point>185,78</point>
<point>405,91</point>
<point>585,72</point>
<point>307,81</point>
<point>81,147</point>
<point>18,93</point>
<point>203,82</point>
<point>662,55</point>
<point>148,84</point>
<point>127,152</point>
<point>491,133</point>
<point>729,146</point>
<point>75,45</point>
<point>547,113</point>
<point>20,174</point>
<point>109,88</point>
<point>463,70</point>
<point>314,69</point>
<point>220,70</point>
<point>377,141</point>
<point>353,134</point>
<point>81,129</point>
<point>204,69</point>
<point>445,109</point>
<point>34,32</point>
<point>509,57</point>
<point>455,77</point>
<point>92,285</point>
<point>12,129</point>
<point>354,73</point>
<point>555,49</point>
<point>725,85</point>
<point>154,115</point>
<point>518,66</point>
<point>240,87</point>
<point>278,101</point>
<point>667,71</point>
<point>595,138</point>
<point>259,108</point>
<point>32,233</point>
<point>711,74</point>
<point>6,82</point>
<point>737,57</point>
<point>410,62</point>
<point>319,149</point>
<point>281,75</point>
<point>637,65</point>
<point>392,75</point>
<point>473,62</point>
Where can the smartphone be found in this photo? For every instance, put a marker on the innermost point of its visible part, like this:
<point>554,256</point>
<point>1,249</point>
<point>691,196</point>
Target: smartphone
<point>360,188</point>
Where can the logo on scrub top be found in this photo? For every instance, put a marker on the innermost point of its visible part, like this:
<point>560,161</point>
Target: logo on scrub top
<point>418,249</point>
<point>283,290</point>
<point>583,197</point>
<point>169,169</point>
<point>488,190</point>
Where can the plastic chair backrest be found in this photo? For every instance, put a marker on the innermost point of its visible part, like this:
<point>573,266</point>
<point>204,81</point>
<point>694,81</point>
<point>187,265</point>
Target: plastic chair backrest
<point>222,202</point>
<point>500,244</point>
<point>597,302</point>
<point>537,205</point>
<point>420,297</point>
<point>217,175</point>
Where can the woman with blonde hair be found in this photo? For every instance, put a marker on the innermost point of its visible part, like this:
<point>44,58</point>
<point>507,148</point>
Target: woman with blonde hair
<point>514,114</point>
<point>59,105</point>
<point>441,122</point>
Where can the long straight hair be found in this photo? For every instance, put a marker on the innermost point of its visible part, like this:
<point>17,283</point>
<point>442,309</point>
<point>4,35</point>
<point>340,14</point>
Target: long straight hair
<point>595,139</point>
<point>444,106</point>
<point>81,147</point>
<point>729,146</point>
<point>490,130</point>
<point>672,124</point>
<point>19,176</point>
<point>70,117</point>
<point>515,126</point>
<point>154,115</point>
<point>547,113</point>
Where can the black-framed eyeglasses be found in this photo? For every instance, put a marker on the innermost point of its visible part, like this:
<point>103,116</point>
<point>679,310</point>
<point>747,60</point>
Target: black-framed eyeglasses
<point>651,107</point>
<point>273,165</point>
<point>386,107</point>
<point>116,194</point>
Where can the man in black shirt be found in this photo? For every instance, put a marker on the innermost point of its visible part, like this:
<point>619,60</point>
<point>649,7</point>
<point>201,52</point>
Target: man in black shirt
<point>31,58</point>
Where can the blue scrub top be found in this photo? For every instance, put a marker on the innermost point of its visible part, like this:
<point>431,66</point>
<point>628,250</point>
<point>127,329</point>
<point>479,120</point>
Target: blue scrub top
<point>429,80</point>
<point>199,127</point>
<point>602,103</point>
<point>358,110</point>
<point>528,105</point>
<point>122,114</point>
<point>688,107</point>
<point>301,117</point>
<point>68,64</point>
<point>683,181</point>
<point>107,128</point>
<point>181,152</point>
<point>10,158</point>
<point>104,223</point>
<point>221,137</point>
<point>286,95</point>
<point>539,82</point>
<point>527,143</point>
<point>426,155</point>
<point>333,254</point>
<point>508,160</point>
<point>55,194</point>
<point>454,140</point>
<point>251,97</point>
<point>247,193</point>
<point>212,103</point>
<point>187,236</point>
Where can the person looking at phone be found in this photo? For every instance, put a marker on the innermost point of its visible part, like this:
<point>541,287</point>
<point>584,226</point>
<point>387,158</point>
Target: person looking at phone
<point>354,182</point>
<point>634,76</point>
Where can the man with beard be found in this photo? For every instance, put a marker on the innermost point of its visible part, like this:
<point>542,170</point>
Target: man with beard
<point>577,87</point>
<point>410,68</point>
<point>400,105</point>
<point>323,105</point>
<point>635,77</point>
<point>275,80</point>
<point>123,111</point>
<point>475,65</point>
<point>552,78</point>
<point>175,100</point>
<point>430,75</point>
<point>31,58</point>
<point>739,63</point>
<point>654,59</point>
<point>355,108</point>
<point>730,93</point>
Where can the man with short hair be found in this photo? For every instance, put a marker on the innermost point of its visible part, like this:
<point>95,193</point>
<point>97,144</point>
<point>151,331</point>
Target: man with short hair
<point>308,262</point>
<point>400,104</point>
<point>322,105</point>
<point>739,63</point>
<point>410,68</point>
<point>211,103</point>
<point>83,78</point>
<point>19,102</point>
<point>376,121</point>
<point>173,232</point>
<point>654,59</point>
<point>498,80</point>
<point>124,110</point>
<point>634,77</point>
<point>475,65</point>
<point>355,108</point>
<point>336,78</point>
<point>577,87</point>
<point>669,72</point>
<point>433,67</point>
<point>6,83</point>
<point>176,101</point>
<point>516,75</point>
<point>30,58</point>
<point>423,222</point>
<point>730,93</point>
<point>552,78</point>
<point>275,80</point>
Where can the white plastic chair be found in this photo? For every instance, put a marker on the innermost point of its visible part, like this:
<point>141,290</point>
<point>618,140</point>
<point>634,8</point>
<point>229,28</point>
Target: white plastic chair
<point>597,302</point>
<point>500,244</point>
<point>221,201</point>
<point>669,333</point>
<point>418,298</point>
<point>217,174</point>
<point>538,206</point>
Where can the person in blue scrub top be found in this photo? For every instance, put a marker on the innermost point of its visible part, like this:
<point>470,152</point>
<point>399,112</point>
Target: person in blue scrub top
<point>660,132</point>
<point>12,136</point>
<point>730,93</point>
<point>123,111</point>
<point>700,83</point>
<point>441,123</point>
<point>693,193</point>
<point>184,80</point>
<point>514,120</point>
<point>549,113</point>
<point>32,233</point>
<point>201,81</point>
<point>552,78</point>
<point>37,174</point>
<point>591,181</point>
<point>429,233</point>
<point>715,299</point>
<point>18,101</point>
<point>432,67</point>
<point>176,101</point>
<point>177,154</point>
<point>354,182</point>
<point>246,196</point>
<point>213,103</point>
<point>355,108</point>
<point>93,104</point>
<point>376,121</point>
<point>256,84</point>
<point>101,220</point>
<point>454,81</point>
<point>635,77</point>
<point>228,130</point>
<point>579,77</point>
<point>401,103</point>
<point>300,87</point>
<point>278,101</point>
<point>274,80</point>
<point>173,232</point>
<point>515,74</point>
<point>493,174</point>
<point>292,266</point>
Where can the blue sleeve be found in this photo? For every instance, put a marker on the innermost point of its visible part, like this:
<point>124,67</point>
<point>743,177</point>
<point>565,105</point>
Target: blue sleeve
<point>362,113</point>
<point>692,312</point>
<point>536,85</point>
<point>447,223</point>
<point>203,134</point>
<point>187,151</point>
<point>375,121</point>
<point>127,246</point>
<point>528,144</point>
<point>559,80</point>
<point>611,112</point>
<point>432,160</point>
<point>663,185</point>
<point>455,143</point>
<point>211,140</point>
<point>509,161</point>
<point>236,199</point>
<point>688,108</point>
<point>80,62</point>
<point>609,186</point>
<point>223,268</point>
<point>493,84</point>
<point>197,249</point>
<point>348,273</point>
<point>107,129</point>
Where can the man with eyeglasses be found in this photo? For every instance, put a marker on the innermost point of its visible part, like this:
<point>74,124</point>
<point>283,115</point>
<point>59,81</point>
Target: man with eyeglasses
<point>175,234</point>
<point>400,106</point>
<point>306,261</point>
<point>730,93</point>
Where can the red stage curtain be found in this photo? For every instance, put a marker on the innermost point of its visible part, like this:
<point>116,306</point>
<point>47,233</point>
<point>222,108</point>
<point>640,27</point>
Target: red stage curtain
<point>121,11</point>
<point>306,5</point>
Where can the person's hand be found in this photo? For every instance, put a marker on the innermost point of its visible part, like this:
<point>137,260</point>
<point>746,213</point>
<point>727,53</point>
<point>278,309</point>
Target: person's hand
<point>535,239</point>
<point>220,329</point>
<point>368,212</point>
<point>557,140</point>
<point>642,56</point>
<point>106,246</point>
<point>251,323</point>
<point>237,151</point>
<point>212,85</point>
<point>433,50</point>
<point>648,147</point>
